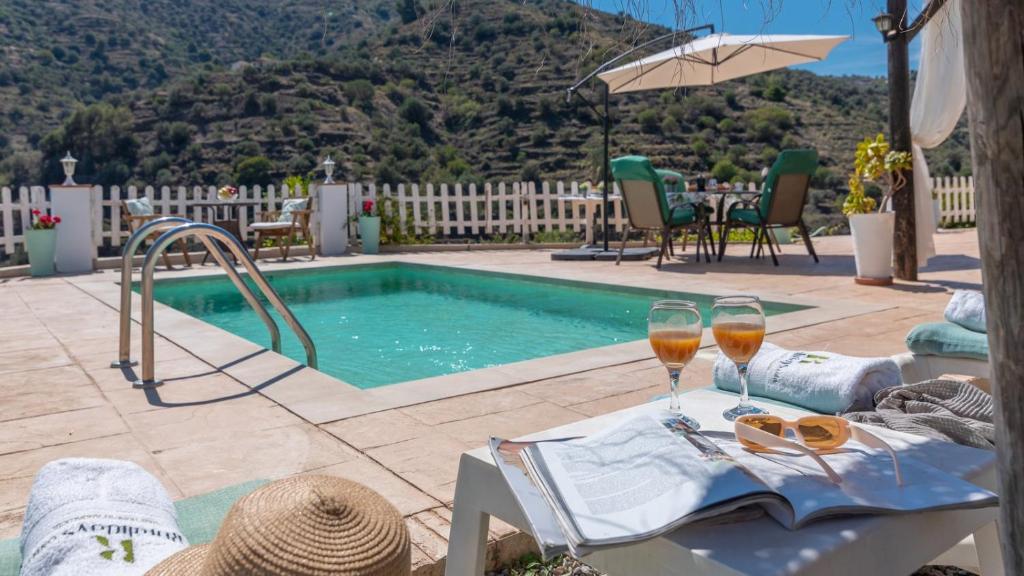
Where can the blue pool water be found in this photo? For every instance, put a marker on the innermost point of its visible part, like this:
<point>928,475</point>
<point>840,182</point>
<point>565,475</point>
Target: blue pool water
<point>380,324</point>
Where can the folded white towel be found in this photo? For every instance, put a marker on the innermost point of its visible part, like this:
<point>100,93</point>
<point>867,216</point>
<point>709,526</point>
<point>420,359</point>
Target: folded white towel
<point>967,308</point>
<point>821,381</point>
<point>97,517</point>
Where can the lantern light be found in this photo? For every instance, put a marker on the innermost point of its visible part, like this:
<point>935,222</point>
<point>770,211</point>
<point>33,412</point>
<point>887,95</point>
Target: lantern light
<point>68,162</point>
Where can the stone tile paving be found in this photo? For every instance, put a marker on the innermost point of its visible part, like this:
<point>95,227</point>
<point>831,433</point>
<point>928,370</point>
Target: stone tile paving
<point>205,429</point>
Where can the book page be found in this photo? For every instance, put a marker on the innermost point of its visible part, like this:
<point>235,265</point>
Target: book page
<point>868,483</point>
<point>635,480</point>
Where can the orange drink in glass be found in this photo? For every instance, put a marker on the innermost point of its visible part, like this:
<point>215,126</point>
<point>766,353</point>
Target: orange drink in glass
<point>674,329</point>
<point>738,325</point>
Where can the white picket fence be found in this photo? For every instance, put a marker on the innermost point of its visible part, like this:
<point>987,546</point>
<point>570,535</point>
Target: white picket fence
<point>956,199</point>
<point>441,211</point>
<point>459,210</point>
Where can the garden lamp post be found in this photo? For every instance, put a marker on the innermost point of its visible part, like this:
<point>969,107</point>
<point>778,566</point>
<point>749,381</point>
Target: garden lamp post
<point>68,162</point>
<point>329,170</point>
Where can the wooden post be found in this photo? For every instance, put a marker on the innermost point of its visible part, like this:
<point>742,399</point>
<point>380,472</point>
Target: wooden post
<point>994,50</point>
<point>905,237</point>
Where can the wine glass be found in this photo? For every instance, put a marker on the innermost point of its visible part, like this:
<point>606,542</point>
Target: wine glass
<point>674,329</point>
<point>738,325</point>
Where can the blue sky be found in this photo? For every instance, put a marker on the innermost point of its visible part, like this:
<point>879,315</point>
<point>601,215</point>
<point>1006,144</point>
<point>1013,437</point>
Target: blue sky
<point>863,54</point>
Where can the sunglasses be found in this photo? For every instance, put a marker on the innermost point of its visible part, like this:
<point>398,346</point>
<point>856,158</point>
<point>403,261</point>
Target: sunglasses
<point>815,435</point>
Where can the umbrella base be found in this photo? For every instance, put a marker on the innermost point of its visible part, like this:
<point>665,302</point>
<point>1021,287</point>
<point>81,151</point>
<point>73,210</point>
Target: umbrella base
<point>597,253</point>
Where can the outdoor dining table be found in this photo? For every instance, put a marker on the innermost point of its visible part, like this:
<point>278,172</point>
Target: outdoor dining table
<point>590,203</point>
<point>225,215</point>
<point>855,545</point>
<point>722,195</point>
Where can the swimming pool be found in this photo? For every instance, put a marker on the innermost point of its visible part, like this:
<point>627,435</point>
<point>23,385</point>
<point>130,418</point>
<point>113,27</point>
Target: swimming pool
<point>381,324</point>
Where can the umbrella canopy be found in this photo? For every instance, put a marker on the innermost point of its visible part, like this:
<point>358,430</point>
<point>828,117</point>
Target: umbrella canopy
<point>717,58</point>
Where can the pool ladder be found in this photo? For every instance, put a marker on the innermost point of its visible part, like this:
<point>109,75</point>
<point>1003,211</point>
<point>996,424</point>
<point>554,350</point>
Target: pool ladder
<point>175,228</point>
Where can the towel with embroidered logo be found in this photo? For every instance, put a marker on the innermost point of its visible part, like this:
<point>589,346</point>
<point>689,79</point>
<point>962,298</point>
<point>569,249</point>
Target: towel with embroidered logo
<point>97,517</point>
<point>821,381</point>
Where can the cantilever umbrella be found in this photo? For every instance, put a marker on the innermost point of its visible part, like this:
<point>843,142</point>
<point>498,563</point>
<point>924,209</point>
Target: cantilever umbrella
<point>717,58</point>
<point>702,62</point>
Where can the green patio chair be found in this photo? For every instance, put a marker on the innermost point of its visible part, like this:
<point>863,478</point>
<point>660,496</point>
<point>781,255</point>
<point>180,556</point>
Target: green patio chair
<point>675,191</point>
<point>780,203</point>
<point>647,207</point>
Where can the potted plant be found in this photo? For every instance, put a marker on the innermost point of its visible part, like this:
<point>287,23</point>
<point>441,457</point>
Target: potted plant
<point>369,227</point>
<point>41,243</point>
<point>873,230</point>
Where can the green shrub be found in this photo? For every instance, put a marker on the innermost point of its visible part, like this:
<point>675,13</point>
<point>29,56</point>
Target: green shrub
<point>707,122</point>
<point>530,172</point>
<point>775,92</point>
<point>360,93</point>
<point>554,236</point>
<point>415,111</point>
<point>648,120</point>
<point>731,101</point>
<point>254,170</point>
<point>724,170</point>
<point>406,10</point>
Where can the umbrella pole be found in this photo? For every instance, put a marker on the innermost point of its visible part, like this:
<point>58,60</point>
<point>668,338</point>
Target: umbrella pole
<point>607,170</point>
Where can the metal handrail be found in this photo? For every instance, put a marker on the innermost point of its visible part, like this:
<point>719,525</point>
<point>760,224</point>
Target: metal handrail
<point>208,231</point>
<point>132,246</point>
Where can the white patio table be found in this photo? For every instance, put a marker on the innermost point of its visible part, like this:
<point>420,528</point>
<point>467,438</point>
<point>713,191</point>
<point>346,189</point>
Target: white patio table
<point>864,545</point>
<point>591,203</point>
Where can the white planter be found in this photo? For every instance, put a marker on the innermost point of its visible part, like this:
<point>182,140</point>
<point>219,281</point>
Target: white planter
<point>872,246</point>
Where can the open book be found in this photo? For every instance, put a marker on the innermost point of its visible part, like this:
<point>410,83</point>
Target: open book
<point>647,477</point>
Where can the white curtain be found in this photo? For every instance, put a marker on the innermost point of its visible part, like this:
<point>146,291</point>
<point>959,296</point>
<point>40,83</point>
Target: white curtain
<point>940,96</point>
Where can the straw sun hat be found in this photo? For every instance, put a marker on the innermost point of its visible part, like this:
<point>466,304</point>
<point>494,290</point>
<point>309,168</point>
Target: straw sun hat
<point>305,525</point>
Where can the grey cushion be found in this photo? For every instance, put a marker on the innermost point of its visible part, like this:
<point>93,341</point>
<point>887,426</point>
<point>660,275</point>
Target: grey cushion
<point>290,205</point>
<point>139,206</point>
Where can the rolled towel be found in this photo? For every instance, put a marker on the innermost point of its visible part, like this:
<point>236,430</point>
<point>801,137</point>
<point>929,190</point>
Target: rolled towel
<point>97,517</point>
<point>967,309</point>
<point>821,381</point>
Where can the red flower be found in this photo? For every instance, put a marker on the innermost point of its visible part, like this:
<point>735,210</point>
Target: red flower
<point>56,219</point>
<point>367,207</point>
<point>36,212</point>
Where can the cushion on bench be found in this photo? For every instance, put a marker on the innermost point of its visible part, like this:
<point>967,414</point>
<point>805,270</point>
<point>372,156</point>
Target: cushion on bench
<point>948,340</point>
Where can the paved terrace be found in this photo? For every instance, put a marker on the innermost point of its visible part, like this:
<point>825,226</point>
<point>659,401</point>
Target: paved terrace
<point>205,429</point>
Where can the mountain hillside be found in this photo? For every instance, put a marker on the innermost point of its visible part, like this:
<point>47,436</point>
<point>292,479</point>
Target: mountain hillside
<point>249,91</point>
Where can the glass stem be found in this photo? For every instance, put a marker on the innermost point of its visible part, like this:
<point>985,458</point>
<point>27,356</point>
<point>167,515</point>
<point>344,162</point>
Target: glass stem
<point>673,383</point>
<point>744,397</point>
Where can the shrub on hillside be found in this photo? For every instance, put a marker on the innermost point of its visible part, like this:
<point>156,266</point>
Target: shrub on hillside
<point>724,170</point>
<point>648,120</point>
<point>173,137</point>
<point>360,93</point>
<point>252,171</point>
<point>102,138</point>
<point>415,111</point>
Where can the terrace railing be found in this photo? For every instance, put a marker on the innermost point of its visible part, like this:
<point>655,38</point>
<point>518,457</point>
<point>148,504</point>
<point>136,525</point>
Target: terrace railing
<point>443,211</point>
